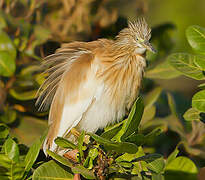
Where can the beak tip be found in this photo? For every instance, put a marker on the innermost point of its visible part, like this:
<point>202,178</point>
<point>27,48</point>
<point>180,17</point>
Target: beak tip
<point>154,50</point>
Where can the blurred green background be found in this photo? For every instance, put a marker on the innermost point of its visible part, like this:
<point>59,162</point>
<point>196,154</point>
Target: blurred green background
<point>33,29</point>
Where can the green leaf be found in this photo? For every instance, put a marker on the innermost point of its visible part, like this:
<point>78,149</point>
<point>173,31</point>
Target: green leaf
<point>192,115</point>
<point>152,97</point>
<point>76,169</point>
<point>9,116</point>
<point>157,165</point>
<point>4,131</point>
<point>181,168</point>
<point>33,152</point>
<point>138,166</point>
<point>120,147</point>
<point>138,139</point>
<point>60,159</point>
<point>200,62</point>
<point>149,114</point>
<point>162,71</point>
<point>52,171</point>
<point>201,86</point>
<point>172,104</point>
<point>148,158</point>
<point>130,125</point>
<point>198,101</point>
<point>29,129</point>
<point>196,38</point>
<point>88,174</point>
<point>23,96</point>
<point>9,169</point>
<point>80,144</point>
<point>110,132</point>
<point>93,153</point>
<point>7,64</point>
<point>172,156</point>
<point>153,134</point>
<point>11,150</point>
<point>64,143</point>
<point>157,176</point>
<point>3,23</point>
<point>6,45</point>
<point>41,33</point>
<point>155,162</point>
<point>7,55</point>
<point>184,63</point>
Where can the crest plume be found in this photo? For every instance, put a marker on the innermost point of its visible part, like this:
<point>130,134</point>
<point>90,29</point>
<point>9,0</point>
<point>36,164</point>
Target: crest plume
<point>140,28</point>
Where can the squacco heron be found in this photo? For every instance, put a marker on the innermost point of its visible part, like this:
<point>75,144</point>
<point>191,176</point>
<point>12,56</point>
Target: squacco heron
<point>92,84</point>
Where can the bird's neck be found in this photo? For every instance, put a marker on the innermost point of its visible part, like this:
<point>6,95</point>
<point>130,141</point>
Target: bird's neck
<point>125,53</point>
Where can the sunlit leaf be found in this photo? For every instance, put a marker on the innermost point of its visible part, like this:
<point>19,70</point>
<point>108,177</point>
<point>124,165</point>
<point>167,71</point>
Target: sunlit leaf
<point>33,152</point>
<point>64,143</point>
<point>192,115</point>
<point>152,97</point>
<point>153,134</point>
<point>9,116</point>
<point>172,104</point>
<point>4,131</point>
<point>201,86</point>
<point>148,158</point>
<point>184,63</point>
<point>172,156</point>
<point>88,174</point>
<point>60,159</point>
<point>138,139</point>
<point>111,131</point>
<point>138,166</point>
<point>11,150</point>
<point>41,33</point>
<point>52,171</point>
<point>200,62</point>
<point>3,23</point>
<point>149,114</point>
<point>29,129</point>
<point>181,168</point>
<point>162,71</point>
<point>157,165</point>
<point>80,143</point>
<point>7,63</point>
<point>120,147</point>
<point>10,169</point>
<point>23,96</point>
<point>196,38</point>
<point>6,45</point>
<point>130,125</point>
<point>198,101</point>
<point>7,55</point>
<point>93,153</point>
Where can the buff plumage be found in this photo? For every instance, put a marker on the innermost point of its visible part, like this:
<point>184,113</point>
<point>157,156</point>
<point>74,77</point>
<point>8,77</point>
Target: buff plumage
<point>93,84</point>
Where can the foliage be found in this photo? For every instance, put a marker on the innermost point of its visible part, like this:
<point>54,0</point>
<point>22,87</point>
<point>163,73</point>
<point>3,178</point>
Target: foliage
<point>154,141</point>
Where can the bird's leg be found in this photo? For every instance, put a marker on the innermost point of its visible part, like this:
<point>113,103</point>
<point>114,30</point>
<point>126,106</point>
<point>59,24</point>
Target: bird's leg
<point>72,154</point>
<point>75,132</point>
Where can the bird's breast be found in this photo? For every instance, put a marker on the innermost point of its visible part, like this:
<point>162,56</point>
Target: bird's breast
<point>122,81</point>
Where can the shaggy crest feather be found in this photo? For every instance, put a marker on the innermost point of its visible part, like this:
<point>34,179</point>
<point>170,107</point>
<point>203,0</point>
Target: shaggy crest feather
<point>141,29</point>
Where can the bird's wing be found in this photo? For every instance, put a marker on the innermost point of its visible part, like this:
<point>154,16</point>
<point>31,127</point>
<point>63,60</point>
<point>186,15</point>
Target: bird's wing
<point>71,90</point>
<point>56,65</point>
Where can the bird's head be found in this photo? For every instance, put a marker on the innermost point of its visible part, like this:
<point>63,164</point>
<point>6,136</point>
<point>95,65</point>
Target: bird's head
<point>137,36</point>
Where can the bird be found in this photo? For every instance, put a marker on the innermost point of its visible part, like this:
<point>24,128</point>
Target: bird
<point>90,85</point>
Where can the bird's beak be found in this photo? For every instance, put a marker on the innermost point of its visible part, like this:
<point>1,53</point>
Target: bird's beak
<point>149,47</point>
